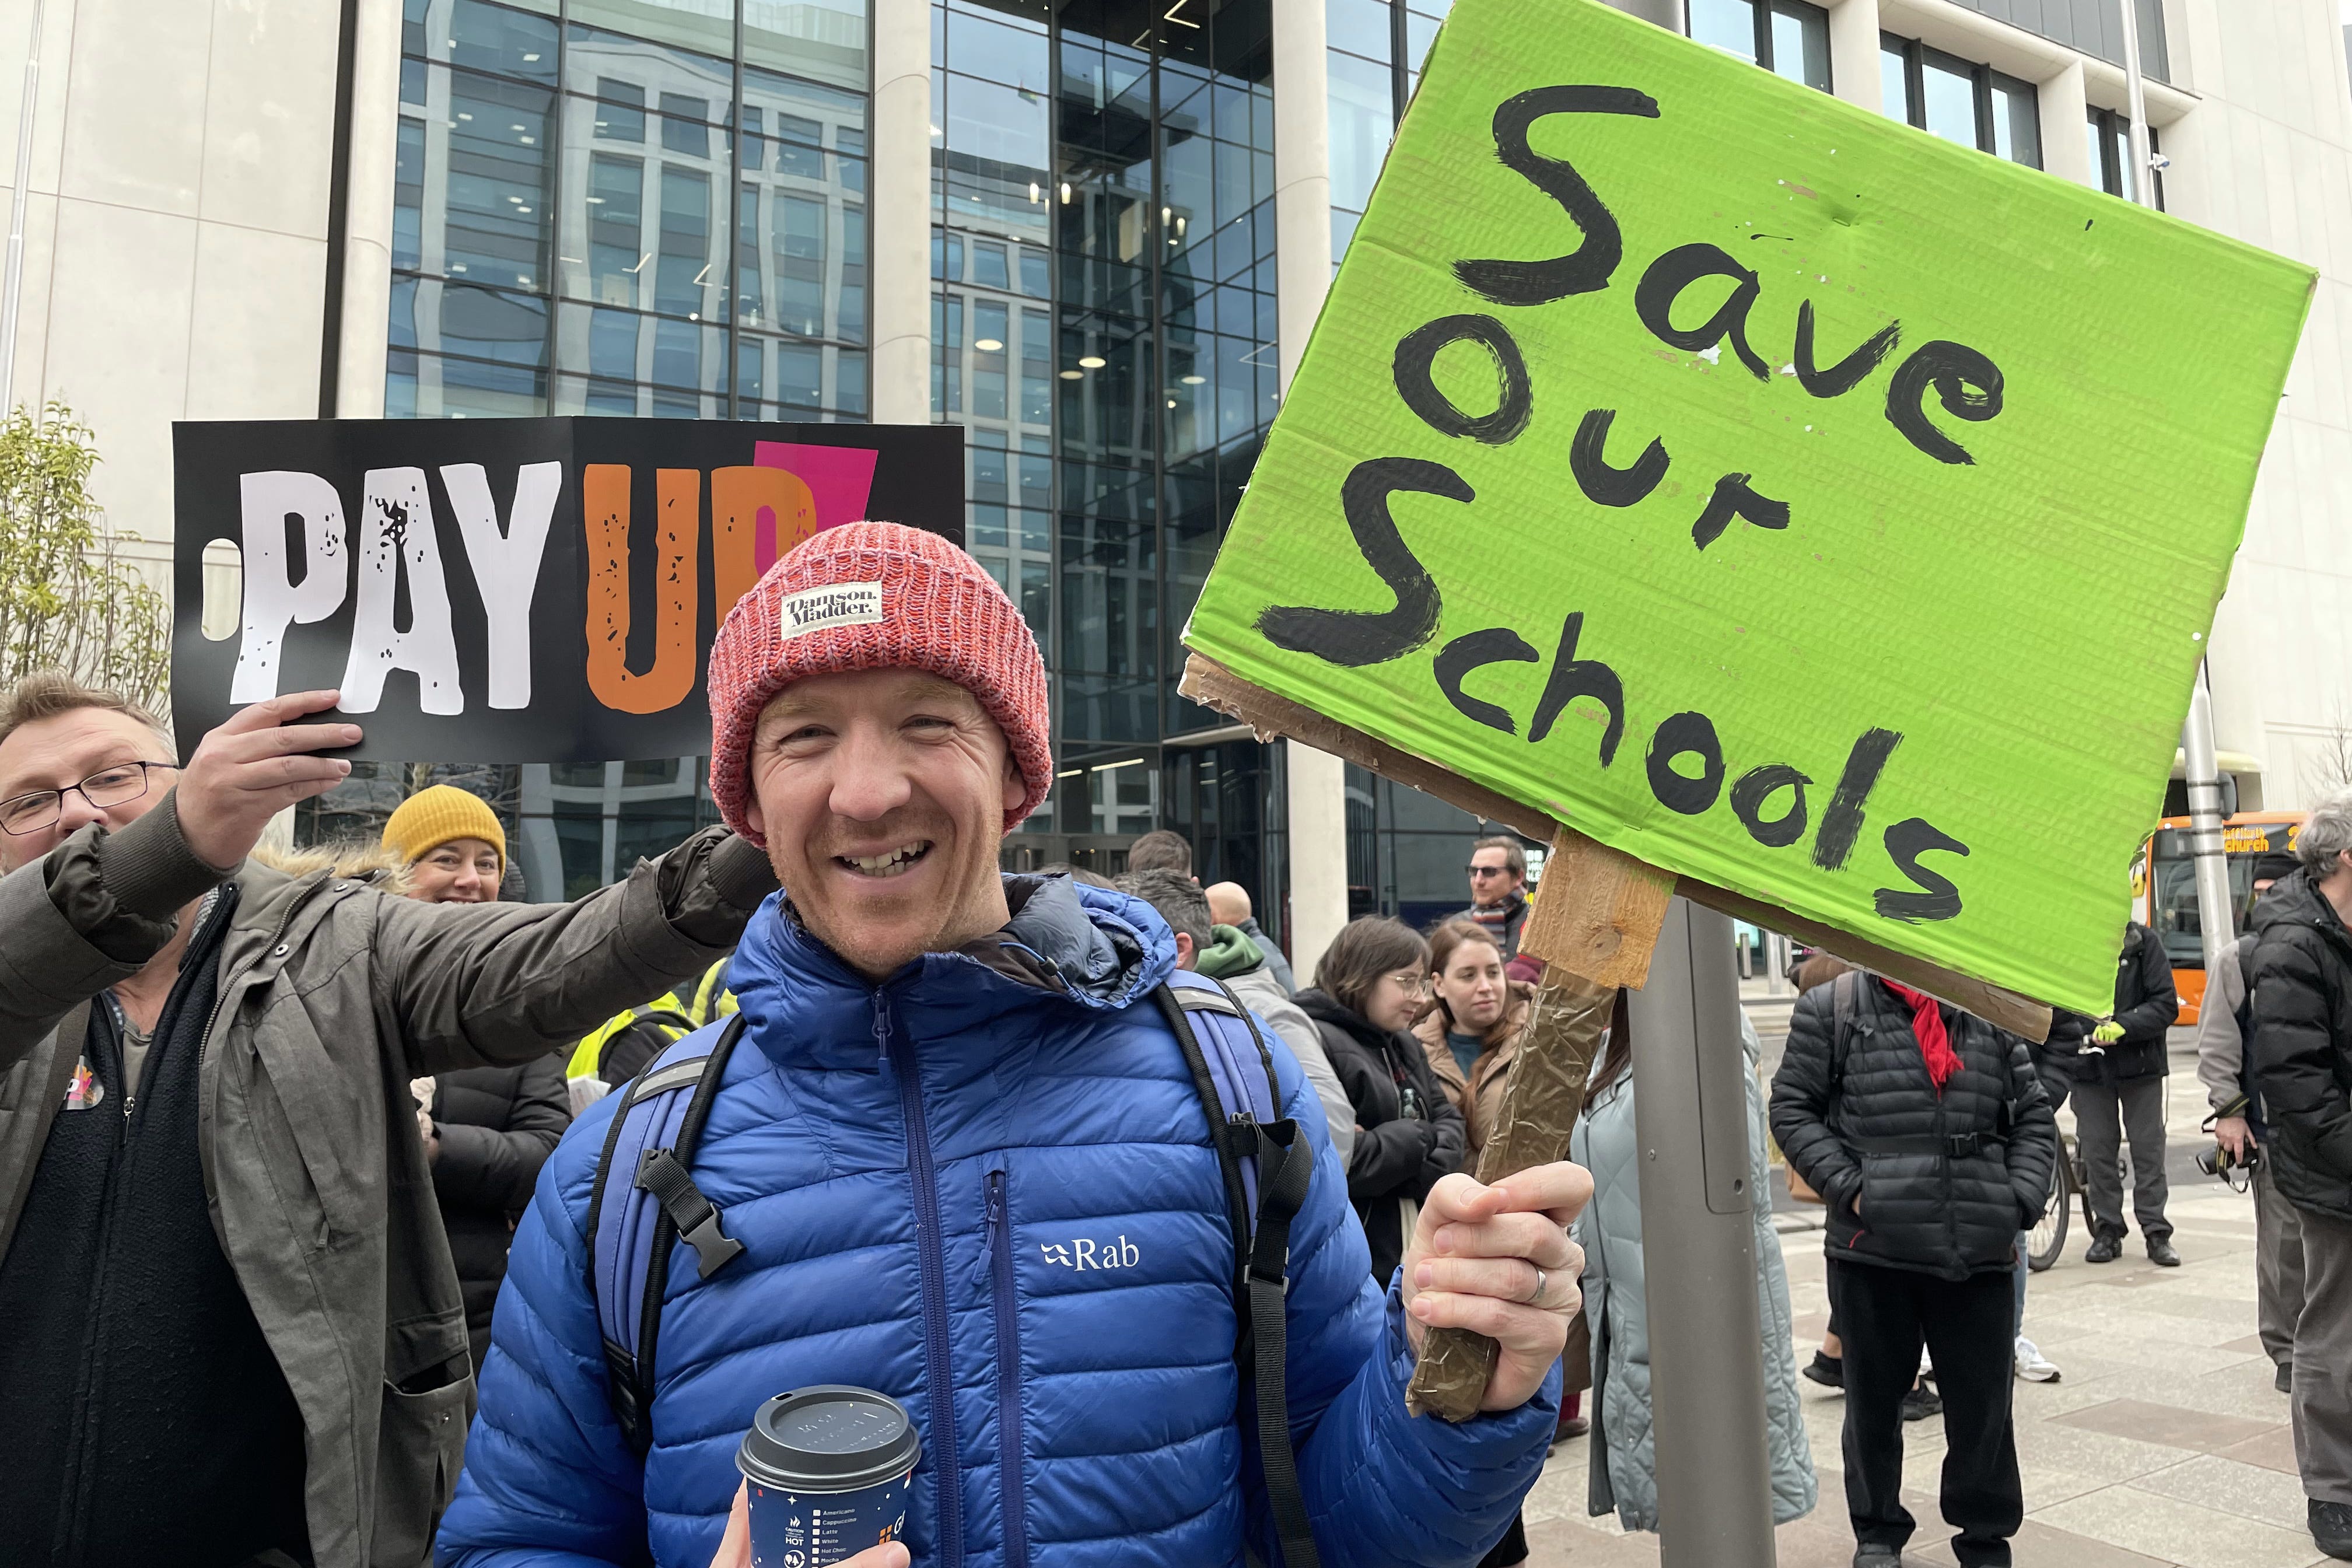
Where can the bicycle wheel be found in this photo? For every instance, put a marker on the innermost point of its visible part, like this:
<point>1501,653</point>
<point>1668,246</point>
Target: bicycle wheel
<point>2048,1236</point>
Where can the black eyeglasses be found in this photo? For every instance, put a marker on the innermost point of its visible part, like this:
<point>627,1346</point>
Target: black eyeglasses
<point>24,814</point>
<point>1488,870</point>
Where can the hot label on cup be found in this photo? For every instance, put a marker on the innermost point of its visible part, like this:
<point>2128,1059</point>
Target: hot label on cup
<point>830,1470</point>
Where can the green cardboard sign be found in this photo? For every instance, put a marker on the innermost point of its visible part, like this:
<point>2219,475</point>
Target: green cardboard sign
<point>1772,492</point>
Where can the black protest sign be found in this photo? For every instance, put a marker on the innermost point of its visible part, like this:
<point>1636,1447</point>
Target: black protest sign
<point>511,590</point>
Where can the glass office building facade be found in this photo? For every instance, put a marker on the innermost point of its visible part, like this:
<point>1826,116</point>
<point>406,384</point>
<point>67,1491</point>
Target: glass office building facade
<point>1103,327</point>
<point>630,207</point>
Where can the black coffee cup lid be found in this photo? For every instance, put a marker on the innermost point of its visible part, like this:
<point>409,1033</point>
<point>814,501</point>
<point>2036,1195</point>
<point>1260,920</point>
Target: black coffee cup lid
<point>829,1439</point>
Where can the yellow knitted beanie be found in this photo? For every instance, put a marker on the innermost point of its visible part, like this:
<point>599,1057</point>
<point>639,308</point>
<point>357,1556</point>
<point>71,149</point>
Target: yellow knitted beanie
<point>432,817</point>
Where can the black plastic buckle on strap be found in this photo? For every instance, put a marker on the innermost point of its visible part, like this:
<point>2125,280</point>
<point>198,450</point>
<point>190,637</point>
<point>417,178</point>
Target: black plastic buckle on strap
<point>695,1216</point>
<point>1961,1145</point>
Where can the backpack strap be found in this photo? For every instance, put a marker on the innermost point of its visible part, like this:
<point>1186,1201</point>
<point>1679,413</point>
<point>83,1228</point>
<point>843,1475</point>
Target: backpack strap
<point>1267,1165</point>
<point>631,1232</point>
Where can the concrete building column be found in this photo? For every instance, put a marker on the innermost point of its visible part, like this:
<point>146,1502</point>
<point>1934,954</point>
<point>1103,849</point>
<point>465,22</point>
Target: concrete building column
<point>1317,807</point>
<point>1854,54</point>
<point>2064,115</point>
<point>364,341</point>
<point>902,212</point>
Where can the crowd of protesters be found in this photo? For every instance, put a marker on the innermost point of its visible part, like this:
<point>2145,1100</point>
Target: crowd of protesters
<point>296,1221</point>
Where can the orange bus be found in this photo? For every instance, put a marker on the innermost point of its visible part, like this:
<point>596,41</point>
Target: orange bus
<point>2164,889</point>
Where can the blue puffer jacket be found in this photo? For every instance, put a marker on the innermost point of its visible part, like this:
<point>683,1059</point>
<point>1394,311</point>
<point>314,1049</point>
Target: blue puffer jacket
<point>1070,1363</point>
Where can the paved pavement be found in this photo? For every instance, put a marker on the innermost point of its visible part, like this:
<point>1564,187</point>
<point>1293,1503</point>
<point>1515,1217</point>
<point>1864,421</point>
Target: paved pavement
<point>2163,1444</point>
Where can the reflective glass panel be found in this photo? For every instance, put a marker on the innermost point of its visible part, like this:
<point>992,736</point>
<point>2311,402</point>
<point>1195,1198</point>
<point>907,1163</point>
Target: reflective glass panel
<point>2016,121</point>
<point>1948,98</point>
<point>1727,24</point>
<point>1801,43</point>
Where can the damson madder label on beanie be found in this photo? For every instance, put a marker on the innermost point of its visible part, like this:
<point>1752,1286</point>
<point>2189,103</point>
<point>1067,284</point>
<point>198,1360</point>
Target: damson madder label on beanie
<point>836,605</point>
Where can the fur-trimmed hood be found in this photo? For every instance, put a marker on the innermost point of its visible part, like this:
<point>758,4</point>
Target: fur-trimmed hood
<point>349,857</point>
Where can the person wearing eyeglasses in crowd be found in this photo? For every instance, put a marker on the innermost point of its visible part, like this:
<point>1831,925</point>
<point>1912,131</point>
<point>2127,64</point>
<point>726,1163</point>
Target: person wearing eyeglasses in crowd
<point>233,1332</point>
<point>1370,985</point>
<point>1498,891</point>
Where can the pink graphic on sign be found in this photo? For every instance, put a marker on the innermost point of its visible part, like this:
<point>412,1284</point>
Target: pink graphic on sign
<point>840,479</point>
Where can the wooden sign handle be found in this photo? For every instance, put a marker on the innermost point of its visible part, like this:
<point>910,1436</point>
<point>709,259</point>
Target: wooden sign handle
<point>1595,924</point>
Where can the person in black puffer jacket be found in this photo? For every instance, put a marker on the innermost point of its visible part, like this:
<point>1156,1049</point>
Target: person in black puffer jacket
<point>494,1128</point>
<point>1371,983</point>
<point>2301,978</point>
<point>486,1131</point>
<point>1929,1136</point>
<point>2117,1074</point>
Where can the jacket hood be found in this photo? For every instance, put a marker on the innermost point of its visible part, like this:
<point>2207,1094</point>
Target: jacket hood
<point>1091,948</point>
<point>358,861</point>
<point>2296,900</point>
<point>1233,952</point>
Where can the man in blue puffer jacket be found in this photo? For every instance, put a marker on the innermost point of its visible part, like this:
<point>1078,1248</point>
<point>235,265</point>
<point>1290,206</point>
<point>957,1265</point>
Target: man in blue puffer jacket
<point>953,1082</point>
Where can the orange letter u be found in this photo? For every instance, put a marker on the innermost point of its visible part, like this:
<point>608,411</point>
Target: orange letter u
<point>604,495</point>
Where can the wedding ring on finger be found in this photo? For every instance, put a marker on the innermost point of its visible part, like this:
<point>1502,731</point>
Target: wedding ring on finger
<point>1541,1280</point>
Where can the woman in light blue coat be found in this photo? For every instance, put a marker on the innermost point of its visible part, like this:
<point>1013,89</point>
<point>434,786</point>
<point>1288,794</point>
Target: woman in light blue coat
<point>1624,1461</point>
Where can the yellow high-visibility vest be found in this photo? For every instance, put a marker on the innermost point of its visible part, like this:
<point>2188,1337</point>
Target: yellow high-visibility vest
<point>698,1001</point>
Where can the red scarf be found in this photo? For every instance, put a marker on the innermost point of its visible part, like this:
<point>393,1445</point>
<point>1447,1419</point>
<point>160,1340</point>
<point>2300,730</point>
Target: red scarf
<point>1927,1025</point>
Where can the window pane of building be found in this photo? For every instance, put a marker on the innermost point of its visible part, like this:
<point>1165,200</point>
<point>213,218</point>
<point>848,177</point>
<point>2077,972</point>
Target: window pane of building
<point>1801,43</point>
<point>2016,121</point>
<point>1727,24</point>
<point>1363,119</point>
<point>1894,81</point>
<point>1360,26</point>
<point>1948,98</point>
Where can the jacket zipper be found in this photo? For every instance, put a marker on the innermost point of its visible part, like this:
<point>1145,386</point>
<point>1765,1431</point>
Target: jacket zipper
<point>947,1466</point>
<point>1008,1443</point>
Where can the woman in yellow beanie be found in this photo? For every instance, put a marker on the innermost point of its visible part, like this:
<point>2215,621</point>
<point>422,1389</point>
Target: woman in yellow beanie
<point>455,850</point>
<point>486,1131</point>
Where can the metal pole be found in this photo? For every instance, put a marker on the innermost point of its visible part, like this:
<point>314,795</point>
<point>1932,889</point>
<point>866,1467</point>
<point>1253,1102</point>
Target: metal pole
<point>13,285</point>
<point>2215,916</point>
<point>2141,169</point>
<point>1699,1251</point>
<point>1699,1246</point>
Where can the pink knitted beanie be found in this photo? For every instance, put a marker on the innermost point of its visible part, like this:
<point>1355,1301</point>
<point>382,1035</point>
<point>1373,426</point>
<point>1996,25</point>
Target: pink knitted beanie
<point>875,595</point>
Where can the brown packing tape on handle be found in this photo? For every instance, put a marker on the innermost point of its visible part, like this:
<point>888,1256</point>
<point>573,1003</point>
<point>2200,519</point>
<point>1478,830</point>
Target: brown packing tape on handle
<point>1542,1098</point>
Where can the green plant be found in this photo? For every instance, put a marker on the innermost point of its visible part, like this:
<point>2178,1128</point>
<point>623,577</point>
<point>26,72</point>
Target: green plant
<point>68,600</point>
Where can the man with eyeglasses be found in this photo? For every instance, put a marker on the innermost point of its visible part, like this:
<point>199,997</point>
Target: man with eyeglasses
<point>1498,891</point>
<point>233,1333</point>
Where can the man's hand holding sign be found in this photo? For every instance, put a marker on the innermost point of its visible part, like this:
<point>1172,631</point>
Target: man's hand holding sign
<point>1682,469</point>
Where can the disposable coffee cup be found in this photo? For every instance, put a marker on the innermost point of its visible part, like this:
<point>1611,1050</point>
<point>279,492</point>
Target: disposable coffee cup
<point>829,1470</point>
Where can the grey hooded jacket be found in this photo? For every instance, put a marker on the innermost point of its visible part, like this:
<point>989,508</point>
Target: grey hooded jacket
<point>333,995</point>
<point>1624,1458</point>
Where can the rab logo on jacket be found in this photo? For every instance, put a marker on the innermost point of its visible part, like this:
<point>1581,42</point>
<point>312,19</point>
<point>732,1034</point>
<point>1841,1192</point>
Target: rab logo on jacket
<point>1083,1254</point>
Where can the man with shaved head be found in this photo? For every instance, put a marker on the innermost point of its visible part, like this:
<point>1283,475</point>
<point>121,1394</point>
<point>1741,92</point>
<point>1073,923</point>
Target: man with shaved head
<point>1229,905</point>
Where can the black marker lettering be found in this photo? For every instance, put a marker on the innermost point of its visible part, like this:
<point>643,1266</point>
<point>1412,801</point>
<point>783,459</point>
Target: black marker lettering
<point>1418,353</point>
<point>1843,376</point>
<point>1693,733</point>
<point>1588,267</point>
<point>1353,638</point>
<point>1573,678</point>
<point>1939,899</point>
<point>1841,823</point>
<point>1588,459</point>
<point>1968,383</point>
<point>1733,499</point>
<point>1677,270</point>
<point>1757,786</point>
<point>1475,650</point>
